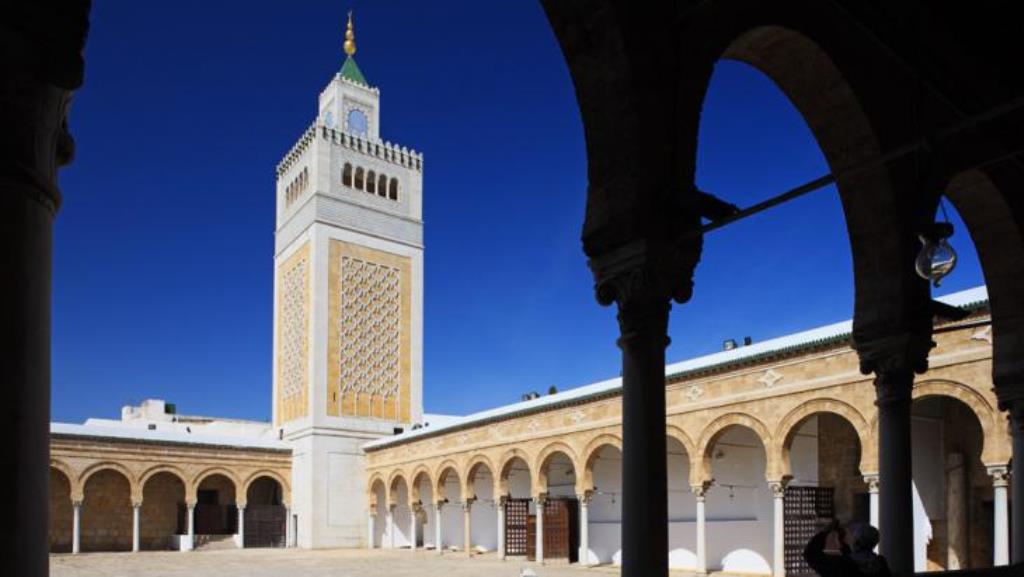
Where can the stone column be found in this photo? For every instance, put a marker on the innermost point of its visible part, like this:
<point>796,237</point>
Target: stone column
<point>289,530</point>
<point>390,526</point>
<point>76,527</point>
<point>501,526</point>
<point>584,554</point>
<point>956,512</point>
<point>414,510</point>
<point>467,528</point>
<point>437,527</point>
<point>642,278</point>
<point>136,508</point>
<point>894,360</point>
<point>40,65</point>
<point>189,543</point>
<point>540,500</point>
<point>700,491</point>
<point>778,489</point>
<point>872,482</point>
<point>241,526</point>
<point>1001,533</point>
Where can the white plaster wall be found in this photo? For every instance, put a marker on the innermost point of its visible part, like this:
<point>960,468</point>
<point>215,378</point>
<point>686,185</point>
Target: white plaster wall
<point>929,491</point>
<point>451,515</point>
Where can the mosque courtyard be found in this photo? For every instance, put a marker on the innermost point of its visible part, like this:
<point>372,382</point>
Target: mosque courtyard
<point>307,563</point>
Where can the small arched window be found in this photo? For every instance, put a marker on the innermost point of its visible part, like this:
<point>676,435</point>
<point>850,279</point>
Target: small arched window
<point>346,175</point>
<point>393,190</point>
<point>382,185</point>
<point>371,182</point>
<point>359,178</point>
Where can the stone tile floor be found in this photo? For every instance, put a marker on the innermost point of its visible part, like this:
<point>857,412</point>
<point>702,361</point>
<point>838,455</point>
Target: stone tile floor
<point>297,562</point>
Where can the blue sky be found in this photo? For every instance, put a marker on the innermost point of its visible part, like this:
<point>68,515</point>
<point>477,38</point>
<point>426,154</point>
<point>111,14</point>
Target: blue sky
<point>164,246</point>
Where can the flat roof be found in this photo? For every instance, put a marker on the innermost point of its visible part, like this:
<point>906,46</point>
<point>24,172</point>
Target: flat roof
<point>787,344</point>
<point>158,436</point>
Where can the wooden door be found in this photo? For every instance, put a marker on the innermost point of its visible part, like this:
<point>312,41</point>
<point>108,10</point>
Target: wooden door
<point>517,516</point>
<point>557,529</point>
<point>265,525</point>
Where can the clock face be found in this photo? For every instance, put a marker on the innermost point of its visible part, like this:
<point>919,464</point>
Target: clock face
<point>357,123</point>
<point>329,119</point>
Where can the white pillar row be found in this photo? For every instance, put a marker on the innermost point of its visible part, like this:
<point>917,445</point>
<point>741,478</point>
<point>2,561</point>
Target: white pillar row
<point>584,554</point>
<point>389,526</point>
<point>702,543</point>
<point>371,522</point>
<point>414,510</point>
<point>467,508</point>
<point>190,536</point>
<point>136,508</point>
<point>778,489</point>
<point>501,526</point>
<point>76,527</point>
<point>541,500</point>
<point>241,527</point>
<point>1001,540</point>
<point>437,527</point>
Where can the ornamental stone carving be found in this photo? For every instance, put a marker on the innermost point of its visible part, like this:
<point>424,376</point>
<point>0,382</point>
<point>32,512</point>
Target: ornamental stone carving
<point>293,336</point>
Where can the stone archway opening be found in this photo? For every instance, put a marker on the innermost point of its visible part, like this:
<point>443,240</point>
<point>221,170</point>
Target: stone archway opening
<point>449,492</point>
<point>682,507</point>
<point>401,514</point>
<point>216,512</point>
<point>161,519</point>
<point>516,483</point>
<point>604,512</point>
<point>953,494</point>
<point>484,511</point>
<point>739,508</point>
<point>556,526</point>
<point>61,512</point>
<point>107,512</point>
<point>380,499</point>
<point>266,517</point>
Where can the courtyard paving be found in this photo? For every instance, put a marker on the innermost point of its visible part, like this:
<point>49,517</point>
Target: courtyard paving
<point>297,562</point>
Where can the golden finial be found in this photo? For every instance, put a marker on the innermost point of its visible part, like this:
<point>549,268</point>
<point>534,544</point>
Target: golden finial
<point>350,37</point>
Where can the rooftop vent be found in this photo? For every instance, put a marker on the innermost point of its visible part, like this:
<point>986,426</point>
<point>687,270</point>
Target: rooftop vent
<point>747,341</point>
<point>728,344</point>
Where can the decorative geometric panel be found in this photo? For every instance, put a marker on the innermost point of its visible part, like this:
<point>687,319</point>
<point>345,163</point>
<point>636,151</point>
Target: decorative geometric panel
<point>370,329</point>
<point>368,333</point>
<point>293,330</point>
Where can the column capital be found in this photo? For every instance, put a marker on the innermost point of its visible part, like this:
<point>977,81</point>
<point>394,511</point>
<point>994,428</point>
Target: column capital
<point>241,504</point>
<point>191,504</point>
<point>136,503</point>
<point>873,482</point>
<point>644,273</point>
<point>1000,475</point>
<point>701,489</point>
<point>894,358</point>
<point>502,500</point>
<point>467,503</point>
<point>585,497</point>
<point>540,498</point>
<point>778,486</point>
<point>76,503</point>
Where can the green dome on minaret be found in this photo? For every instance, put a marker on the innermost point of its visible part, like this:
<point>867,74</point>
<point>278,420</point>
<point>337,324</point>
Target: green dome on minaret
<point>350,70</point>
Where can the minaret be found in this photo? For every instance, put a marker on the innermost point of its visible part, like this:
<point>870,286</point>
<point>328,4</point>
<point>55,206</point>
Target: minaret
<point>348,303</point>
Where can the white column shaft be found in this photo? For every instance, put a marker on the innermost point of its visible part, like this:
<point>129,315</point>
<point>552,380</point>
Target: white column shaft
<point>370,522</point>
<point>467,528</point>
<point>501,530</point>
<point>1001,540</point>
<point>437,529</point>
<point>76,528</point>
<point>190,537</point>
<point>391,528</point>
<point>702,545</point>
<point>778,538</point>
<point>241,527</point>
<point>135,527</point>
<point>540,531</point>
<point>584,554</point>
